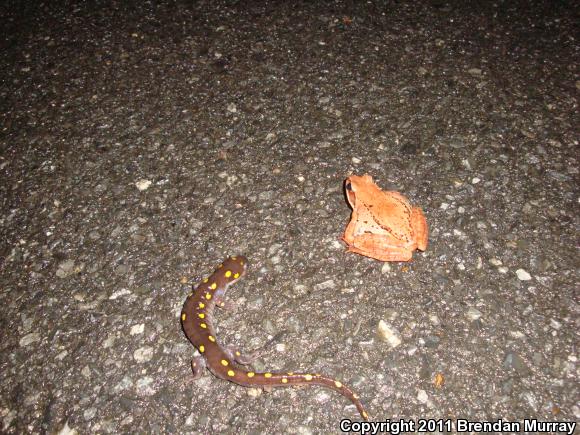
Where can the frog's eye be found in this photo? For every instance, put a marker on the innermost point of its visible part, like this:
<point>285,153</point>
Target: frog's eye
<point>348,186</point>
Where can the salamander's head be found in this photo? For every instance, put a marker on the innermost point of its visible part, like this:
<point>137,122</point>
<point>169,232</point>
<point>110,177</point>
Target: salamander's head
<point>237,265</point>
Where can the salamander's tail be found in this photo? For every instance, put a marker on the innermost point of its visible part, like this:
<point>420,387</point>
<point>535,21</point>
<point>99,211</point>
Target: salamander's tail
<point>286,379</point>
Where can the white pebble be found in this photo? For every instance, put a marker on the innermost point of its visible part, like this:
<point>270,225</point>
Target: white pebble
<point>422,396</point>
<point>523,275</point>
<point>118,293</point>
<point>137,329</point>
<point>388,334</point>
<point>145,386</point>
<point>386,268</point>
<point>67,430</point>
<point>473,313</point>
<point>33,337</point>
<point>143,354</point>
<point>434,319</point>
<point>254,392</point>
<point>475,180</point>
<point>329,284</point>
<point>143,184</point>
<point>356,160</point>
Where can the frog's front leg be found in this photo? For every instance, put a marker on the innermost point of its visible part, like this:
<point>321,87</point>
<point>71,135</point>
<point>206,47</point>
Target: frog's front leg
<point>382,247</point>
<point>420,230</point>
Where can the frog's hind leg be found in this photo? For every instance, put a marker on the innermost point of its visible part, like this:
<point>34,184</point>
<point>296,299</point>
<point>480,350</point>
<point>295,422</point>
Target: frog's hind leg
<point>420,230</point>
<point>380,248</point>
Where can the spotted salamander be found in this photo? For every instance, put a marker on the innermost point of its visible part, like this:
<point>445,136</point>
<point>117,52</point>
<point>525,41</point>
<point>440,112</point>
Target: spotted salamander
<point>225,363</point>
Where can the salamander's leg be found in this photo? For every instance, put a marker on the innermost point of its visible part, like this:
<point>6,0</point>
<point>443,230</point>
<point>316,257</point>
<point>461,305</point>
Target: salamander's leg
<point>223,304</point>
<point>234,353</point>
<point>197,366</point>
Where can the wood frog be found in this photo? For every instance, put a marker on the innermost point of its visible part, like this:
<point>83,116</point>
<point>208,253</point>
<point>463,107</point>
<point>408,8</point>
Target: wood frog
<point>383,225</point>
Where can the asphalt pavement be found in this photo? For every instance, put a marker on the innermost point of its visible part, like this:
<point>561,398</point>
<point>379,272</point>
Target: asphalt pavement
<point>141,143</point>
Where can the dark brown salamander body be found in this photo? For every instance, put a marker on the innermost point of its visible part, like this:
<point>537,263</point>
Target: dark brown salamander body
<point>196,319</point>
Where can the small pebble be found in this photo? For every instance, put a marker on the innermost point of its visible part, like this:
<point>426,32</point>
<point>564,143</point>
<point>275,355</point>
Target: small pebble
<point>66,430</point>
<point>119,293</point>
<point>523,275</point>
<point>326,285</point>
<point>143,184</point>
<point>143,354</point>
<point>65,268</point>
<point>255,392</point>
<point>388,334</point>
<point>473,313</point>
<point>33,337</point>
<point>137,329</point>
<point>145,386</point>
<point>434,319</point>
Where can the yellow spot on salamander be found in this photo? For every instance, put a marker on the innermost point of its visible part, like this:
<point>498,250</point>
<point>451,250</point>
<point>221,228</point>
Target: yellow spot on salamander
<point>338,384</point>
<point>308,377</point>
<point>231,373</point>
<point>201,348</point>
<point>365,415</point>
<point>183,316</point>
<point>208,296</point>
<point>213,286</point>
<point>234,258</point>
<point>241,263</point>
<point>290,373</point>
<point>224,362</point>
<point>201,305</point>
<point>284,380</point>
<point>201,315</point>
<point>228,273</point>
<point>203,325</point>
<point>205,280</point>
<point>356,396</point>
<point>267,375</point>
<point>211,338</point>
<point>236,275</point>
<point>220,266</point>
<point>251,374</point>
<point>238,353</point>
